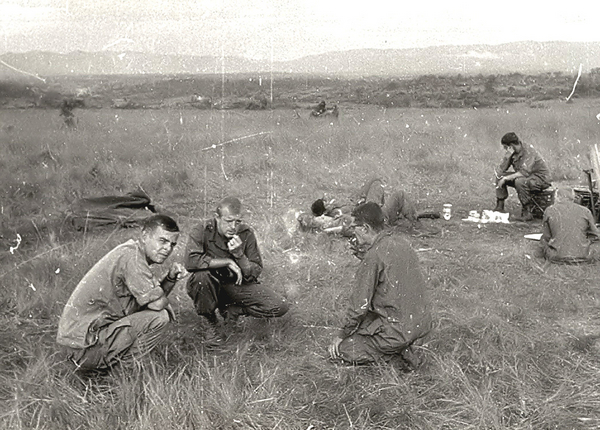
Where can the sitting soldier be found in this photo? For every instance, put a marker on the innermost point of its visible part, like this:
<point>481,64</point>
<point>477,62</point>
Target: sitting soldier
<point>390,310</point>
<point>225,264</point>
<point>119,311</point>
<point>568,230</point>
<point>530,175</point>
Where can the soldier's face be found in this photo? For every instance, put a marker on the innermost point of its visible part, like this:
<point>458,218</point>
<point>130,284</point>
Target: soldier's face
<point>158,244</point>
<point>228,223</point>
<point>363,240</point>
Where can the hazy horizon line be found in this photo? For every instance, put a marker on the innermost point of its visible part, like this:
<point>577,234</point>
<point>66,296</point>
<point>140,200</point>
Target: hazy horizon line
<point>303,56</point>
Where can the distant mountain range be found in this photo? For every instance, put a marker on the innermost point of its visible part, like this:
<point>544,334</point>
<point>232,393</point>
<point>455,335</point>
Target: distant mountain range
<point>518,57</point>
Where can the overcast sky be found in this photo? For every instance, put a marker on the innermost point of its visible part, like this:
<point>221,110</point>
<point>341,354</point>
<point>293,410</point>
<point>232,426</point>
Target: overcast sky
<point>285,29</point>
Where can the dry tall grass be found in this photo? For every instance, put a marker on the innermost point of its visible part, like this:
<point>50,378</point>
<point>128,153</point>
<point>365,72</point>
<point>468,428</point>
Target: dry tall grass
<point>515,345</point>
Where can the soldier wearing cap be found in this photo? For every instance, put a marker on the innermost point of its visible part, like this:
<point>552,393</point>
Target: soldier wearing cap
<point>530,174</point>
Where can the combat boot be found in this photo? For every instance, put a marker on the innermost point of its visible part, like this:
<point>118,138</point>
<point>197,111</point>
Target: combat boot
<point>231,315</point>
<point>499,205</point>
<point>210,329</point>
<point>526,214</point>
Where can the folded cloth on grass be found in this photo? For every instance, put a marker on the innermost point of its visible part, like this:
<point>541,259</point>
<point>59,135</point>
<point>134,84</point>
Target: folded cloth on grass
<point>124,211</point>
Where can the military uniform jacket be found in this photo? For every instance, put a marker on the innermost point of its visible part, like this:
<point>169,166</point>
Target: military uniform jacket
<point>568,229</point>
<point>390,287</point>
<point>118,285</point>
<point>528,162</point>
<point>205,243</point>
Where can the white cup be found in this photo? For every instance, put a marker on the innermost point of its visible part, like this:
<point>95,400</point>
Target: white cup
<point>447,211</point>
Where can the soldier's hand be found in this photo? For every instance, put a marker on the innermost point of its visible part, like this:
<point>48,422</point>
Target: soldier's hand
<point>238,272</point>
<point>334,348</point>
<point>177,271</point>
<point>235,246</point>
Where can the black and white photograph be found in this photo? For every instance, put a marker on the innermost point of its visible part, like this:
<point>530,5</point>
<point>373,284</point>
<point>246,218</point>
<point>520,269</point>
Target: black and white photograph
<point>299,215</point>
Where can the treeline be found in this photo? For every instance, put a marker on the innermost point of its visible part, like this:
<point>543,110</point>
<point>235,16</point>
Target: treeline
<point>297,91</point>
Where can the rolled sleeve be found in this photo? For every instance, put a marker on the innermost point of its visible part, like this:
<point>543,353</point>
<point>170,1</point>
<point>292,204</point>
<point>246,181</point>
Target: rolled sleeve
<point>141,282</point>
<point>505,164</point>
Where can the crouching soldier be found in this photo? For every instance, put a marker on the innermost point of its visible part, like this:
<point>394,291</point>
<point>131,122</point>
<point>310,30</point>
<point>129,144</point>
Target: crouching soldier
<point>225,263</point>
<point>119,310</point>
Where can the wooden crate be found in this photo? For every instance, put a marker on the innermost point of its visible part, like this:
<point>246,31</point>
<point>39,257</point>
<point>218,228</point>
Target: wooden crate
<point>541,200</point>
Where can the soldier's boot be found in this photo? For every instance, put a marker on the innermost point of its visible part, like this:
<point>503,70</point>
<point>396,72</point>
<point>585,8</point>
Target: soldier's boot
<point>231,315</point>
<point>526,214</point>
<point>499,205</point>
<point>412,358</point>
<point>212,338</point>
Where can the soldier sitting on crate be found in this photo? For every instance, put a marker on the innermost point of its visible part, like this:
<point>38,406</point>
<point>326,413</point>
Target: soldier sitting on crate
<point>568,230</point>
<point>530,175</point>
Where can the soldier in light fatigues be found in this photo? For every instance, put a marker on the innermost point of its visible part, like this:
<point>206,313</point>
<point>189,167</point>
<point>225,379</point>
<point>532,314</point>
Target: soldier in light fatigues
<point>119,310</point>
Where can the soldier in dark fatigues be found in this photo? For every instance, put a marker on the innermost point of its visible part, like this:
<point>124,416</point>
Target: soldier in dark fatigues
<point>568,230</point>
<point>66,111</point>
<point>225,263</point>
<point>530,175</point>
<point>389,308</point>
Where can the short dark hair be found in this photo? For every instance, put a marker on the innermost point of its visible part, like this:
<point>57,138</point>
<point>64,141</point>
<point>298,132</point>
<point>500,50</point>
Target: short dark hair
<point>159,220</point>
<point>233,203</point>
<point>509,138</point>
<point>318,207</point>
<point>369,213</point>
<point>564,192</point>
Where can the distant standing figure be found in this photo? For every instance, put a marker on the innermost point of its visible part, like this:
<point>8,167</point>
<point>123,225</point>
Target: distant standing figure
<point>530,175</point>
<point>119,310</point>
<point>66,111</point>
<point>389,310</point>
<point>568,230</point>
<point>225,263</point>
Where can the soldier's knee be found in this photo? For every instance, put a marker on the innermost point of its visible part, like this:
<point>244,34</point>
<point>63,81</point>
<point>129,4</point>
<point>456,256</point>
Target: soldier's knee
<point>283,308</point>
<point>521,183</point>
<point>195,280</point>
<point>159,319</point>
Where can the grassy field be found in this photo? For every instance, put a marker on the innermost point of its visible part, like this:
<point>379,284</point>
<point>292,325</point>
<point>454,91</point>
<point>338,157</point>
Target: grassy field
<point>516,343</point>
